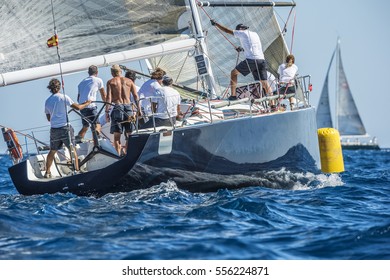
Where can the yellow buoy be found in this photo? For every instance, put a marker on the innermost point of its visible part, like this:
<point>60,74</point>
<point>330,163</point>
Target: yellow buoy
<point>330,150</point>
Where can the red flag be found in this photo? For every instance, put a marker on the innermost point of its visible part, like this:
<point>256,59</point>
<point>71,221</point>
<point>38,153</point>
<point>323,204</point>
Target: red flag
<point>53,41</point>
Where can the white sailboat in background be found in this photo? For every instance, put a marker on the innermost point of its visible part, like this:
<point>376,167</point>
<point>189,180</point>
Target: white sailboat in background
<point>347,120</point>
<point>227,145</point>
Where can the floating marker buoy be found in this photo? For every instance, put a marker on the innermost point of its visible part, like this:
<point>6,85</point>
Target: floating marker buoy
<point>330,150</point>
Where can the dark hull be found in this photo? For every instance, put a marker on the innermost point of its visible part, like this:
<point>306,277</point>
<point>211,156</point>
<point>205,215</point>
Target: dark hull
<point>203,158</point>
<point>230,154</point>
<point>360,147</point>
<point>98,182</point>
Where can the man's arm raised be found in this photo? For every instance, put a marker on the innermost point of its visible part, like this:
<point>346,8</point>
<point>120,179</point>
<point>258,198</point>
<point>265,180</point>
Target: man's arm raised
<point>221,27</point>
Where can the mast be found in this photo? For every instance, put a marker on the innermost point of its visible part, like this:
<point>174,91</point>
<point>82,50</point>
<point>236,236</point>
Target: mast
<point>203,48</point>
<point>336,121</point>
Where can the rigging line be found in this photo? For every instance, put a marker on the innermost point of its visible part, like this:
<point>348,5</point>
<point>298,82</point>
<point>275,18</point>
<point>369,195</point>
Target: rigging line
<point>123,67</point>
<point>221,32</point>
<point>284,30</point>
<point>63,91</point>
<point>293,32</point>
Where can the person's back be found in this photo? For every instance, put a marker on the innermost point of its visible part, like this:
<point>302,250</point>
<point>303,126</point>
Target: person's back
<point>114,86</point>
<point>56,107</point>
<point>251,43</point>
<point>88,89</point>
<point>167,101</point>
<point>61,132</point>
<point>148,90</point>
<point>118,92</point>
<point>254,61</point>
<point>132,76</point>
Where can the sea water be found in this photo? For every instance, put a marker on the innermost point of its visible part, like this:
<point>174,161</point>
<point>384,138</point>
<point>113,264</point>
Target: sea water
<point>322,217</point>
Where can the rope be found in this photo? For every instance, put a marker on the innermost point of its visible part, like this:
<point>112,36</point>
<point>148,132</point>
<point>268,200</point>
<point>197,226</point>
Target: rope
<point>284,30</point>
<point>293,32</point>
<point>63,90</point>
<point>221,32</point>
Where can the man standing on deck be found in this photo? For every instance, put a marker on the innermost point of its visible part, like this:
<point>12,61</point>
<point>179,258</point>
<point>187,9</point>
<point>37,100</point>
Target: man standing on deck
<point>55,110</point>
<point>118,92</point>
<point>166,104</point>
<point>254,57</point>
<point>88,89</point>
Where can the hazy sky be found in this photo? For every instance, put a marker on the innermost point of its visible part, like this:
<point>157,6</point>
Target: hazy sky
<point>365,39</point>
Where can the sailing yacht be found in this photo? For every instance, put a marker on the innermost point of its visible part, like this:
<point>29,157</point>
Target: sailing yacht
<point>347,120</point>
<point>218,144</point>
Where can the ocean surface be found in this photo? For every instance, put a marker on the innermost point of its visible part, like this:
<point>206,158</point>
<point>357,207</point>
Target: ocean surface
<point>322,217</point>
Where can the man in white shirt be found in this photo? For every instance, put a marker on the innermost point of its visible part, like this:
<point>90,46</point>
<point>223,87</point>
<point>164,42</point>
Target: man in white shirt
<point>287,73</point>
<point>56,113</point>
<point>166,104</point>
<point>254,58</point>
<point>87,90</point>
<point>148,91</point>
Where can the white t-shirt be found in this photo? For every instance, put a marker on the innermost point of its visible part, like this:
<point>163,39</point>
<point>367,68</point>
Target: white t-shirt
<point>147,90</point>
<point>167,99</point>
<point>88,89</point>
<point>287,74</point>
<point>271,81</point>
<point>55,106</point>
<point>250,42</point>
<point>131,95</point>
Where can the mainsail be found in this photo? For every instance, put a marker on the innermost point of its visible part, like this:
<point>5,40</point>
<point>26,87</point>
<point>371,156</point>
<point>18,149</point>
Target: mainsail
<point>87,30</point>
<point>221,47</point>
<point>100,32</point>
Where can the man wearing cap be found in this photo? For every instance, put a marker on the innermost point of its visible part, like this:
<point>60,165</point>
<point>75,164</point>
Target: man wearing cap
<point>254,58</point>
<point>87,90</point>
<point>118,92</point>
<point>166,104</point>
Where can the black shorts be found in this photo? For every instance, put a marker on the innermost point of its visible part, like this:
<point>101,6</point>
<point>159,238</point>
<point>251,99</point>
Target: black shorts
<point>60,136</point>
<point>288,90</point>
<point>120,119</point>
<point>90,114</point>
<point>258,68</point>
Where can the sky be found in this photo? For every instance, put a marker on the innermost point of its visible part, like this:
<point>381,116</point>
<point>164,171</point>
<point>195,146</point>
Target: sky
<point>363,30</point>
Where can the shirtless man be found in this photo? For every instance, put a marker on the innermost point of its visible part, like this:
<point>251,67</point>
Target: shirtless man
<point>118,93</point>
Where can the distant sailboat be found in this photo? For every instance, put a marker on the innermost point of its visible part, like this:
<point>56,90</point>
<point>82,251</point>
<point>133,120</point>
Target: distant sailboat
<point>347,119</point>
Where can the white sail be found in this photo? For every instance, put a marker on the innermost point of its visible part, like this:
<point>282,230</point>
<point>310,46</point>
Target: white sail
<point>324,116</point>
<point>349,121</point>
<point>346,115</point>
<point>221,47</point>
<point>86,29</point>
